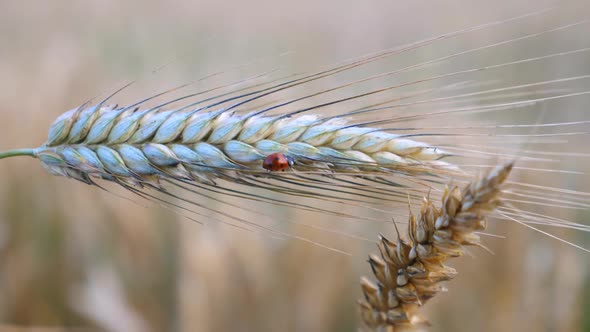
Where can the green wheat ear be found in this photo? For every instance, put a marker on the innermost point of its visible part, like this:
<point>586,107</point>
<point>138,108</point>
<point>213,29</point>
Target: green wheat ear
<point>129,144</point>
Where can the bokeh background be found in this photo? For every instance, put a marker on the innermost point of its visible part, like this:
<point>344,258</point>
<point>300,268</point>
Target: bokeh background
<point>75,258</point>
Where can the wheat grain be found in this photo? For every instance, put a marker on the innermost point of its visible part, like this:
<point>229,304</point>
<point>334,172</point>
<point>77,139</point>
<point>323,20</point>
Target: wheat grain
<point>409,271</point>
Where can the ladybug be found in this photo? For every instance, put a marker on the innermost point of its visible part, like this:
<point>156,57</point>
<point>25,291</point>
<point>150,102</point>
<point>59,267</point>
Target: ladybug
<point>277,162</point>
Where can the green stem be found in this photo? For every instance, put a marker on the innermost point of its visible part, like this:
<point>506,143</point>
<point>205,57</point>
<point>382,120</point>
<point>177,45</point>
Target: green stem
<point>17,152</point>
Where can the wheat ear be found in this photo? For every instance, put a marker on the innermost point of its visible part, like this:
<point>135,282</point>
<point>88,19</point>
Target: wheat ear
<point>133,146</point>
<point>409,271</point>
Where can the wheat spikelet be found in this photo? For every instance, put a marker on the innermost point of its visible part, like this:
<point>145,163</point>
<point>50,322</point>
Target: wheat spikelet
<point>409,271</point>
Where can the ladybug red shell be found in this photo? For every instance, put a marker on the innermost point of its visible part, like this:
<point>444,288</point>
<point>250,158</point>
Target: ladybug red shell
<point>277,162</point>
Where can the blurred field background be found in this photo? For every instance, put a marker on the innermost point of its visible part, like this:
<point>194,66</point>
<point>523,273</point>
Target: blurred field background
<point>74,258</point>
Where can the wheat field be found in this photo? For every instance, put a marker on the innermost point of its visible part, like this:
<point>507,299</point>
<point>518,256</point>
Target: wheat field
<point>74,257</point>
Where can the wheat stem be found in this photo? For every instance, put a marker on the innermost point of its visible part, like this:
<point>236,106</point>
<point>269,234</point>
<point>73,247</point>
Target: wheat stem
<point>17,152</point>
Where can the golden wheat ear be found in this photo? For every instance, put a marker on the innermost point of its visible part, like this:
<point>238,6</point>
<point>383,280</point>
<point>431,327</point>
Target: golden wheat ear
<point>409,271</point>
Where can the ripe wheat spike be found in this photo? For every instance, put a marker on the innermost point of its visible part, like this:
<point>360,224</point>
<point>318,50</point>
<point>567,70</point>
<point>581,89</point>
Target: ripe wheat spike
<point>409,271</point>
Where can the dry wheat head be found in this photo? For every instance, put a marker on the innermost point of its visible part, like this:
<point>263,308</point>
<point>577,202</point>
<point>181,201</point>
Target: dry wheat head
<point>409,271</point>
